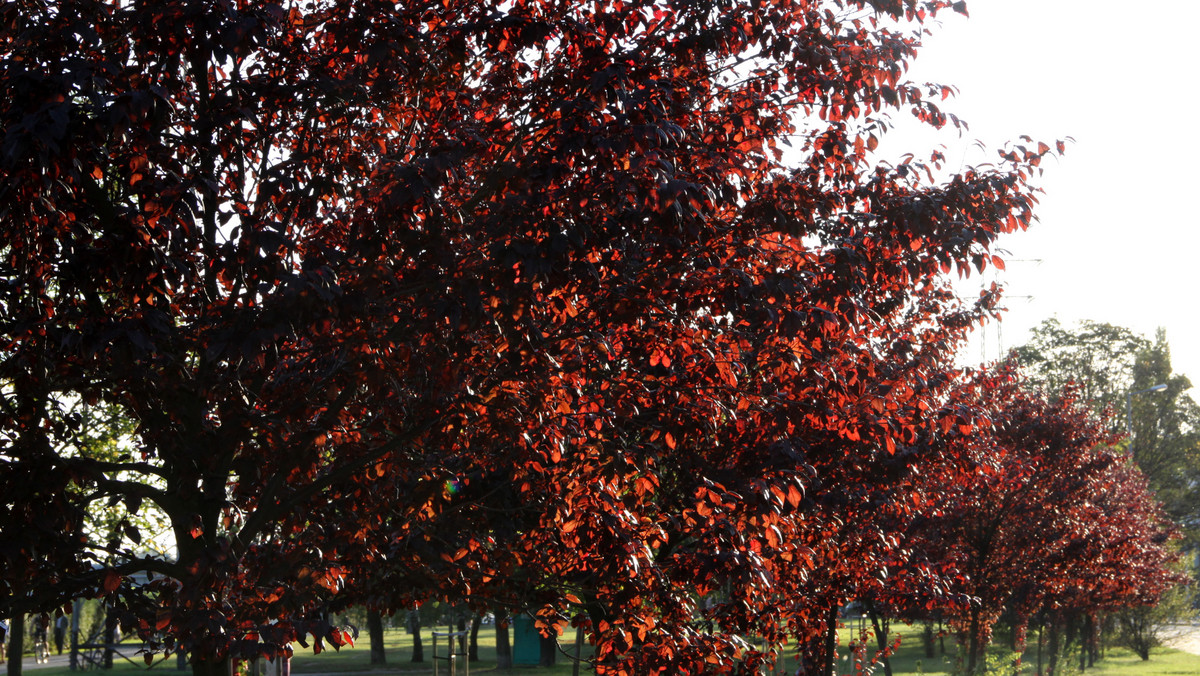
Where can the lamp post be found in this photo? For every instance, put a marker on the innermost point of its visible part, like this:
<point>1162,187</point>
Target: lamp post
<point>1129,409</point>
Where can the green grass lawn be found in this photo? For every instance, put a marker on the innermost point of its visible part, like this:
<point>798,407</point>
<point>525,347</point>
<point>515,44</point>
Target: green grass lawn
<point>399,655</point>
<point>908,661</point>
<point>1162,663</point>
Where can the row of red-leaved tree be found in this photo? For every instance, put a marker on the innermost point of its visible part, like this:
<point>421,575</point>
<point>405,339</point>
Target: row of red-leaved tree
<point>600,309</point>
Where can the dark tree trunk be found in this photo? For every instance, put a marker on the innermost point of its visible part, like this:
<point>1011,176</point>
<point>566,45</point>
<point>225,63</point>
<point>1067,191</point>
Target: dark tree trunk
<point>211,666</point>
<point>1041,625</point>
<point>1020,641</point>
<point>548,650</point>
<point>962,650</point>
<point>830,652</point>
<point>974,641</point>
<point>462,637</point>
<point>473,645</point>
<point>1084,640</point>
<point>75,611</point>
<point>927,639</point>
<point>1052,648</point>
<point>110,637</point>
<point>375,635</point>
<point>16,643</point>
<point>503,648</point>
<point>414,625</point>
<point>578,649</point>
<point>1094,640</point>
<point>882,629</point>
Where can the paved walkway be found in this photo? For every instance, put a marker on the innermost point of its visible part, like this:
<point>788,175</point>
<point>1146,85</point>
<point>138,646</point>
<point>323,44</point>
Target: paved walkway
<point>28,662</point>
<point>1185,637</point>
<point>63,660</point>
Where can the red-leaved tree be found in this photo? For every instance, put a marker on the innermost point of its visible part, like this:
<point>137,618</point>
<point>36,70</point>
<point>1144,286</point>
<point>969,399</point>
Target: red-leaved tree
<point>527,304</point>
<point>1037,512</point>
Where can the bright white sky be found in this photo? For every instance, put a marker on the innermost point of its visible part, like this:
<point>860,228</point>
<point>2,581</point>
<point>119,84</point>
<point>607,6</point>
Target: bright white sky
<point>1119,235</point>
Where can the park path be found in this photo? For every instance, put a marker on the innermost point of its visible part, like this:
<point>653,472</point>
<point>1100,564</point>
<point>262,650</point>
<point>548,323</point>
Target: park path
<point>1185,637</point>
<point>28,664</point>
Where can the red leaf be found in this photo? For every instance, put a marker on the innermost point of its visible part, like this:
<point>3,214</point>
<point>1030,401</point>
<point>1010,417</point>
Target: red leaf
<point>794,496</point>
<point>111,581</point>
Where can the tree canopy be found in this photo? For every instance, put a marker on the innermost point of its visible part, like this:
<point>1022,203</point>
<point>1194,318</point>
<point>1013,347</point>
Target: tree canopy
<point>563,306</point>
<point>1115,370</point>
<point>1039,512</point>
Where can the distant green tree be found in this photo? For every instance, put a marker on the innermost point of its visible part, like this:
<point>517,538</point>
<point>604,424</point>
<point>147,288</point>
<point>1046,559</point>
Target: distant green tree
<point>1099,357</point>
<point>1144,628</point>
<point>103,434</point>
<point>1108,363</point>
<point>1165,436</point>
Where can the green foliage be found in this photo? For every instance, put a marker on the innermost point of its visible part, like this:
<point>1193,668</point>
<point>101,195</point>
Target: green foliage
<point>104,435</point>
<point>91,620</point>
<point>1108,364</point>
<point>1165,440</point>
<point>1144,628</point>
<point>1098,357</point>
<point>999,663</point>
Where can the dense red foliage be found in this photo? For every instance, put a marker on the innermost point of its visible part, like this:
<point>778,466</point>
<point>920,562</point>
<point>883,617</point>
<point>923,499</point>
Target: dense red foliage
<point>1037,511</point>
<point>518,305</point>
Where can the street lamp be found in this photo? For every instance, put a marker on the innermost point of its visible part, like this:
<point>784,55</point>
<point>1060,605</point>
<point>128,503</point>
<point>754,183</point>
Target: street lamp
<point>1129,408</point>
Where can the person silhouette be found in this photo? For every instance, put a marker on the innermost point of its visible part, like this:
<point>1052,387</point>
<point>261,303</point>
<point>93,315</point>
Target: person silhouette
<point>41,648</point>
<point>60,632</point>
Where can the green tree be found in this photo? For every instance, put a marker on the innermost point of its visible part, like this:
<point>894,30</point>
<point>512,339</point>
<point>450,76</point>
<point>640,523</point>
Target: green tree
<point>1109,363</point>
<point>1116,369</point>
<point>1099,357</point>
<point>1165,436</point>
<point>1143,628</point>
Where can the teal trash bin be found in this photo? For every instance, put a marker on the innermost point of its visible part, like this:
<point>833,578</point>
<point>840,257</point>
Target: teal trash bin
<point>526,646</point>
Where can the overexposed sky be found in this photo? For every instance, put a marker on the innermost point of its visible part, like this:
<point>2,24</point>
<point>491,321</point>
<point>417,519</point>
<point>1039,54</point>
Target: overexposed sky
<point>1119,234</point>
